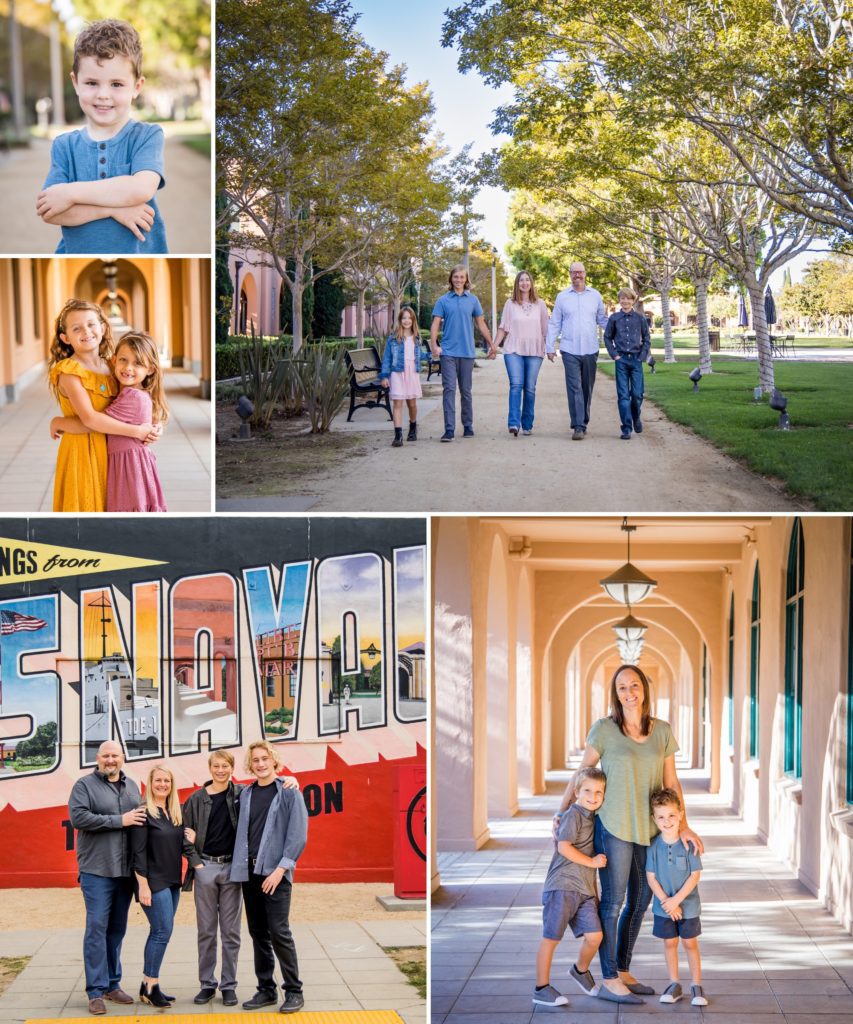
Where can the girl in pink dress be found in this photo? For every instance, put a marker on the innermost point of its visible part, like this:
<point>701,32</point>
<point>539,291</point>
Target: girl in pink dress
<point>400,373</point>
<point>132,481</point>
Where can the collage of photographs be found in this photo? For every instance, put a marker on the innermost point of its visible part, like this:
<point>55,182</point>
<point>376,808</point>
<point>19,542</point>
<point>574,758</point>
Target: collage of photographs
<point>426,511</point>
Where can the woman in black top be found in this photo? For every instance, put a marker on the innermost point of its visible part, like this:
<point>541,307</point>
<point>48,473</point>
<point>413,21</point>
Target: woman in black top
<point>156,849</point>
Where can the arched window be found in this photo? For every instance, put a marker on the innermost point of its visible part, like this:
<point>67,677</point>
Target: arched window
<point>731,695</point>
<point>794,654</point>
<point>754,661</point>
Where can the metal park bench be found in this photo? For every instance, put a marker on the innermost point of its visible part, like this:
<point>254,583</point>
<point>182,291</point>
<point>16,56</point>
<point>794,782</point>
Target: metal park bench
<point>433,364</point>
<point>363,366</point>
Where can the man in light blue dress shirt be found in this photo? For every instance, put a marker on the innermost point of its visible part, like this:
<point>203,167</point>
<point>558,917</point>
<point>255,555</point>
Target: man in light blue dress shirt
<point>578,313</point>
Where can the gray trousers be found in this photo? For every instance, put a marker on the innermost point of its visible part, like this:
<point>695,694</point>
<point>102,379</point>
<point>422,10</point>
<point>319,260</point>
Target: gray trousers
<point>457,369</point>
<point>580,380</point>
<point>218,907</point>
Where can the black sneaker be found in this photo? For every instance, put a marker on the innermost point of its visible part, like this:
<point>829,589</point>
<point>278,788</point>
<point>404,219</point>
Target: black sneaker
<point>638,426</point>
<point>229,997</point>
<point>260,999</point>
<point>625,435</point>
<point>468,432</point>
<point>293,1001</point>
<point>204,996</point>
<point>447,435</point>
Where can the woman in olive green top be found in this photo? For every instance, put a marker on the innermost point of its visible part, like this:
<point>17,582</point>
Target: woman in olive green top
<point>637,753</point>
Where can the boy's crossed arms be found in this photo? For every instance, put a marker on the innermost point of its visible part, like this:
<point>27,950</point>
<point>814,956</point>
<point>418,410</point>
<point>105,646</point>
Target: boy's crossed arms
<point>124,198</point>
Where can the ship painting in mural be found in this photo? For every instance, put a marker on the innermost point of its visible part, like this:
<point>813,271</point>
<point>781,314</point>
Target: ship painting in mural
<point>111,689</point>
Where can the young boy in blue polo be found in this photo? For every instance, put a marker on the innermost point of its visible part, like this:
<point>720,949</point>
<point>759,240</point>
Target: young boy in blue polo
<point>569,896</point>
<point>103,177</point>
<point>673,873</point>
<point>455,314</point>
<point>628,342</point>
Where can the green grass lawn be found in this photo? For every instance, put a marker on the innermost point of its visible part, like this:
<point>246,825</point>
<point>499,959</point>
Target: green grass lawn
<point>200,143</point>
<point>814,457</point>
<point>691,341</point>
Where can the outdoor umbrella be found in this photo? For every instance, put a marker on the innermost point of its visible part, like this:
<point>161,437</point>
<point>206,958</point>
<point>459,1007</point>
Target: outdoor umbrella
<point>742,318</point>
<point>769,307</point>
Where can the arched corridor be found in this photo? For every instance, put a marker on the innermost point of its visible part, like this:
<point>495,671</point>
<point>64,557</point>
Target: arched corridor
<point>745,640</point>
<point>770,952</point>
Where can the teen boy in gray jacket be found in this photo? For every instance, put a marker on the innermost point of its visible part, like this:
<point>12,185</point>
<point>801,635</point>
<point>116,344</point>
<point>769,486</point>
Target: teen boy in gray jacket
<point>271,834</point>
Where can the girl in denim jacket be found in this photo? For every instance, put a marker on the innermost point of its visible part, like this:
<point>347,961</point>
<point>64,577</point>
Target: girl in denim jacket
<point>400,373</point>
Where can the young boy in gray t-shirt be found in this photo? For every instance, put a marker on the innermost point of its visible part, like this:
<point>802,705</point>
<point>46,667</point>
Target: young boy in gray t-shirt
<point>569,896</point>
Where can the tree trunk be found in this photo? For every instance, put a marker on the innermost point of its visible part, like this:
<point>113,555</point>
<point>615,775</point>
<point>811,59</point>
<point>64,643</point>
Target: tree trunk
<point>766,377</point>
<point>701,286</point>
<point>359,316</point>
<point>669,354</point>
<point>296,290</point>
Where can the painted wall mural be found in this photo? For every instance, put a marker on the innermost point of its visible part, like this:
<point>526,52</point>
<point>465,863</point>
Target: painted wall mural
<point>177,636</point>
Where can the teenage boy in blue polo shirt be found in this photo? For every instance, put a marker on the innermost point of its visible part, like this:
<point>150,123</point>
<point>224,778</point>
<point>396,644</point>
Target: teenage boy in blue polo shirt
<point>673,872</point>
<point>455,313</point>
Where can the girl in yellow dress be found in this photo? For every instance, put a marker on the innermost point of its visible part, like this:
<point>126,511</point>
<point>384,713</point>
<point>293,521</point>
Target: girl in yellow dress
<point>81,377</point>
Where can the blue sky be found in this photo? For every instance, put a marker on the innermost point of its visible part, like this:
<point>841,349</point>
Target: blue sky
<point>36,695</point>
<point>464,105</point>
<point>261,599</point>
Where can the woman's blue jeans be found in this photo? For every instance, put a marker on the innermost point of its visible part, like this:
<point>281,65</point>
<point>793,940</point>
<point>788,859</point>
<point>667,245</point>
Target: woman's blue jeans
<point>623,881</point>
<point>522,372</point>
<point>161,918</point>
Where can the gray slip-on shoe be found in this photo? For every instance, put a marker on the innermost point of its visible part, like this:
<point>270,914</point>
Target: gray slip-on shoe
<point>672,994</point>
<point>549,996</point>
<point>584,979</point>
<point>639,989</point>
<point>698,996</point>
<point>614,997</point>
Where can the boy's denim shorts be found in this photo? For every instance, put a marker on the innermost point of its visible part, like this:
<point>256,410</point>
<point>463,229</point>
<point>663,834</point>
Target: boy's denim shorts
<point>666,928</point>
<point>561,909</point>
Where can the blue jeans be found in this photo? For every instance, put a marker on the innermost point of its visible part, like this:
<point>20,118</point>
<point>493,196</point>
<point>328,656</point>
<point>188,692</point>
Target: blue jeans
<point>624,876</point>
<point>107,903</point>
<point>580,380</point>
<point>161,918</point>
<point>522,372</point>
<point>629,389</point>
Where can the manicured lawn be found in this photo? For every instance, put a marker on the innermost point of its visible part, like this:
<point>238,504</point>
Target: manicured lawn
<point>814,457</point>
<point>691,341</point>
<point>200,143</point>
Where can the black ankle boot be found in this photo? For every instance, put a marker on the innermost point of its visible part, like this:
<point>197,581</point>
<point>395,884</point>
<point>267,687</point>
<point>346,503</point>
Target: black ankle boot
<point>398,438</point>
<point>153,996</point>
<point>413,431</point>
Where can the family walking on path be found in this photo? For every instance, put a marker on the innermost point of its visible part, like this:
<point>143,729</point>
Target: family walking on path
<point>527,334</point>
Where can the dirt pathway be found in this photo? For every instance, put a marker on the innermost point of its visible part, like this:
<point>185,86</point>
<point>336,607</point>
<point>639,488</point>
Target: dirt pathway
<point>666,469</point>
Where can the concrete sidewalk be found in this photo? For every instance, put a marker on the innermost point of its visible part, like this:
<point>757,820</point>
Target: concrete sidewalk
<point>665,469</point>
<point>342,965</point>
<point>28,455</point>
<point>770,953</point>
<point>184,201</point>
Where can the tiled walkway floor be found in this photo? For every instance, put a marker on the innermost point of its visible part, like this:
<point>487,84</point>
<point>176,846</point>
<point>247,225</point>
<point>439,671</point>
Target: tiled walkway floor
<point>771,954</point>
<point>28,455</point>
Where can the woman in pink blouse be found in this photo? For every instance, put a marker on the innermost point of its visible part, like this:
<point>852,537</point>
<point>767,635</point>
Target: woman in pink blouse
<point>524,324</point>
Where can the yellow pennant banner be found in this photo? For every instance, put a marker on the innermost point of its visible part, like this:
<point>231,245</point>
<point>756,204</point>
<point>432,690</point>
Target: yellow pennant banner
<point>24,561</point>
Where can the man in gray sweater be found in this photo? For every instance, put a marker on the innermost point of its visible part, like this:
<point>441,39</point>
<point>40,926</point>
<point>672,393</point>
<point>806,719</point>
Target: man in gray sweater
<point>102,807</point>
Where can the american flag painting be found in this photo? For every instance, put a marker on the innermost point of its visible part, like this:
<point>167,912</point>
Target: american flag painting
<point>15,622</point>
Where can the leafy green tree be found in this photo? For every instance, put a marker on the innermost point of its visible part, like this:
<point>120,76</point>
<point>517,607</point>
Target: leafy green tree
<point>42,744</point>
<point>224,285</point>
<point>329,303</point>
<point>309,118</point>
